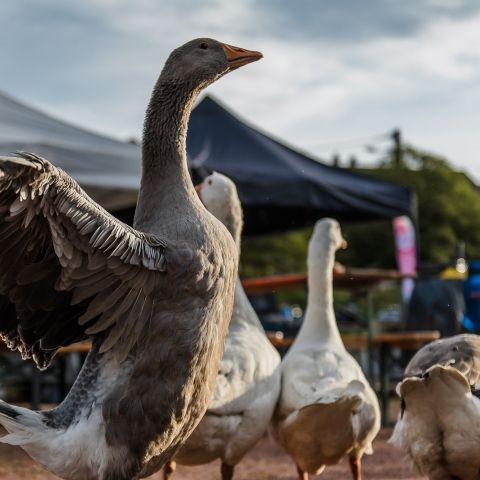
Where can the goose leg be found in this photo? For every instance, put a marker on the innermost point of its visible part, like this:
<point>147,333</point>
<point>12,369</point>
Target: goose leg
<point>169,469</point>
<point>227,471</point>
<point>356,468</point>
<point>301,474</point>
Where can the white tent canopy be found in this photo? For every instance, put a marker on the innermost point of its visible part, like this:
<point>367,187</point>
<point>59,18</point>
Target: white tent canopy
<point>109,170</point>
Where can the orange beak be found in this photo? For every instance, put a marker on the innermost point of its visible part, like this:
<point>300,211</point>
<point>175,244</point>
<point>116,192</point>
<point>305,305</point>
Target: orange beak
<point>198,189</point>
<point>238,57</point>
<point>344,244</point>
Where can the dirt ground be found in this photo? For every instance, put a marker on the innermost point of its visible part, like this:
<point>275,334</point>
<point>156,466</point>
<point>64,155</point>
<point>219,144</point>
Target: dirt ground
<point>265,461</point>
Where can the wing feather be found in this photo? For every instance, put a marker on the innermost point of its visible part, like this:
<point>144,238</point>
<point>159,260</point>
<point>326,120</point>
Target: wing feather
<point>460,351</point>
<point>67,267</point>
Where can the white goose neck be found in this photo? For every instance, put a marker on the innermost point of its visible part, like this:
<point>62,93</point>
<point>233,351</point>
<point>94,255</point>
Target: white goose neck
<point>243,313</point>
<point>319,324</point>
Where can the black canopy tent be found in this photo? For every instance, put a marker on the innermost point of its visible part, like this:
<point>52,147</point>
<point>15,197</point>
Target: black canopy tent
<point>281,188</point>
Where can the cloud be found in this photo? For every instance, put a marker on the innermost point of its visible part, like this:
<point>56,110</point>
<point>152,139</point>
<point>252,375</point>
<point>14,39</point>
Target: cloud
<point>332,69</point>
<point>351,21</point>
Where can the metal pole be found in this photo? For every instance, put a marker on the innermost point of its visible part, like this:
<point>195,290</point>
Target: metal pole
<point>371,373</point>
<point>397,148</point>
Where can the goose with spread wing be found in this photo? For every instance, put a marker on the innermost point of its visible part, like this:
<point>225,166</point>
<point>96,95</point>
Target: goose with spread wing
<point>248,381</point>
<point>154,299</point>
<point>439,423</point>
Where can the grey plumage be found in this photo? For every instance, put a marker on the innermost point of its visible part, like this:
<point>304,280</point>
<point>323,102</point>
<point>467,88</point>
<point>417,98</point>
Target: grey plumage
<point>155,299</point>
<point>461,352</point>
<point>52,207</point>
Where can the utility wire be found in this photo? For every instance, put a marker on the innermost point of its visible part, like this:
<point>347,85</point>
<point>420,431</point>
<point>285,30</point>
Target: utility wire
<point>353,141</point>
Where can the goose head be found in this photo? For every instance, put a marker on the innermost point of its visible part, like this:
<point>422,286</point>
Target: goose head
<point>326,235</point>
<point>188,70</point>
<point>204,60</point>
<point>219,195</point>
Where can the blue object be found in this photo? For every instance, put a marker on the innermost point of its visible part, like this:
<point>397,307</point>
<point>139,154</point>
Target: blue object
<point>471,319</point>
<point>286,311</point>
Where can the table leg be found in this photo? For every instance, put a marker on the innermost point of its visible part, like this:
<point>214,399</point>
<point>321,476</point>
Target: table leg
<point>62,384</point>
<point>384,381</point>
<point>35,387</point>
<point>370,356</point>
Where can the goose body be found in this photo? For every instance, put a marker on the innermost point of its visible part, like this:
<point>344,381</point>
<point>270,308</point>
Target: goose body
<point>439,425</point>
<point>248,381</point>
<point>327,409</point>
<point>154,299</point>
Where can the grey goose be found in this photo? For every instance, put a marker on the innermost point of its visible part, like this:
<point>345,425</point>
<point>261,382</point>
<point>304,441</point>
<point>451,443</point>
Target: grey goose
<point>155,299</point>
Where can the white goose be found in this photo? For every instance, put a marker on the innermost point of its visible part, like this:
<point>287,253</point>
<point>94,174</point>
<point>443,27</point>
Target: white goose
<point>154,299</point>
<point>439,423</point>
<point>327,409</point>
<point>248,382</point>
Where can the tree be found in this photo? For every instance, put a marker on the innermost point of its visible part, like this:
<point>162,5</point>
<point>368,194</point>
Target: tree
<point>274,254</point>
<point>448,210</point>
<point>448,206</point>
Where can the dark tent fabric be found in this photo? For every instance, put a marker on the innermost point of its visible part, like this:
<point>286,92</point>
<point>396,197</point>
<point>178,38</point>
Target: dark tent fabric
<point>108,169</point>
<point>281,188</point>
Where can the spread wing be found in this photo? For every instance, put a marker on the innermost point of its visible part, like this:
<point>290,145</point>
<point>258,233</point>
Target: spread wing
<point>68,269</point>
<point>461,352</point>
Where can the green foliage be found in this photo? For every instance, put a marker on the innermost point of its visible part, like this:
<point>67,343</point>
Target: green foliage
<point>270,255</point>
<point>448,211</point>
<point>448,207</point>
<point>370,244</point>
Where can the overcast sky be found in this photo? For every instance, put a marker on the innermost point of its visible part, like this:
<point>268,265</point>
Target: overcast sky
<point>337,74</point>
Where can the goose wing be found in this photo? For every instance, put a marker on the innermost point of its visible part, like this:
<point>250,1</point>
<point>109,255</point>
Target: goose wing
<point>68,269</point>
<point>461,352</point>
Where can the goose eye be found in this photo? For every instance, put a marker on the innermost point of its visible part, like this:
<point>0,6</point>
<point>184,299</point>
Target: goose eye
<point>203,45</point>
<point>209,182</point>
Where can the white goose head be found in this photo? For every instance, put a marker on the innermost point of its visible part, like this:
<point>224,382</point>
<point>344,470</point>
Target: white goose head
<point>326,236</point>
<point>219,195</point>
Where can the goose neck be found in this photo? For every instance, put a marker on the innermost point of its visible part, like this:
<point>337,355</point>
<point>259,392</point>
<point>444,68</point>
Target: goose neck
<point>320,278</point>
<point>165,178</point>
<point>243,312</point>
<point>319,324</point>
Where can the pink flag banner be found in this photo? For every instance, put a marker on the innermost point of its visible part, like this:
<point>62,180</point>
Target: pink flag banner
<point>406,252</point>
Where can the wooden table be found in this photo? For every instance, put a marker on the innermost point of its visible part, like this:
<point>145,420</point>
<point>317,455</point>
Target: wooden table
<point>384,341</point>
<point>355,279</point>
<point>405,340</point>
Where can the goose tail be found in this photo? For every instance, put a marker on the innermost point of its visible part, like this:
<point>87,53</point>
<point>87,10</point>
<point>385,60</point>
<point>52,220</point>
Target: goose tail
<point>21,424</point>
